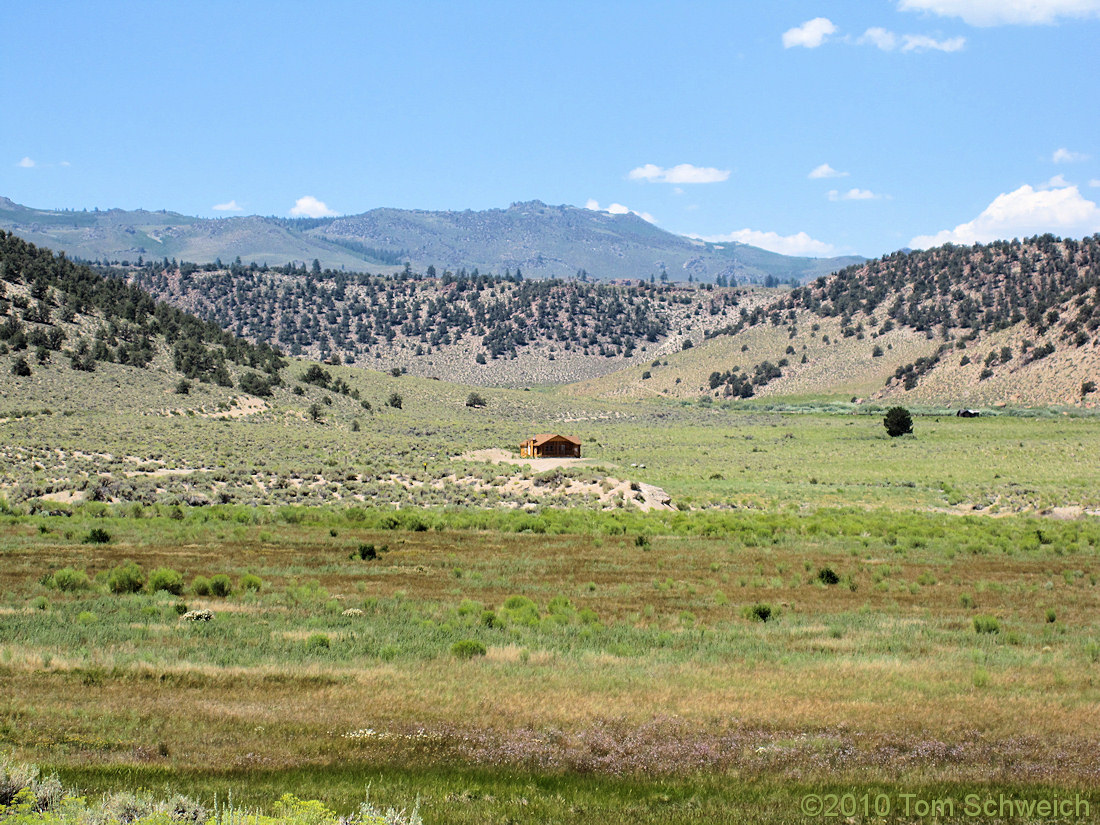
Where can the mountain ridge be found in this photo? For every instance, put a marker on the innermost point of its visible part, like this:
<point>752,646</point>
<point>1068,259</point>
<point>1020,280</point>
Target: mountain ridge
<point>542,241</point>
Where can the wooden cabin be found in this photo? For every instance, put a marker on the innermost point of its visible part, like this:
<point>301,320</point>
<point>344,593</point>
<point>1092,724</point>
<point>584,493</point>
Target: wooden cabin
<point>551,445</point>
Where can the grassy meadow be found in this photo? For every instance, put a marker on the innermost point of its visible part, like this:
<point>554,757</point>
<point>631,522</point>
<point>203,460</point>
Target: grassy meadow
<point>828,610</point>
<point>624,657</point>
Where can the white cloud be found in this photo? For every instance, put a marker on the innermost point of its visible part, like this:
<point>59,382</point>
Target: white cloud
<point>1057,182</point>
<point>618,209</point>
<point>826,171</point>
<point>1064,155</point>
<point>810,34</point>
<point>310,207</point>
<point>853,195</point>
<point>27,163</point>
<point>1094,182</point>
<point>887,41</point>
<point>998,12</point>
<point>797,244</point>
<point>682,173</point>
<point>232,206</point>
<point>1023,213</point>
<point>921,43</point>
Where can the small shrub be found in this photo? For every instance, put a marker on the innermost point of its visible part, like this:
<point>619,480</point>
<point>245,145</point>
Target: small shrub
<point>468,649</point>
<point>183,809</point>
<point>475,400</point>
<point>40,603</point>
<point>826,575</point>
<point>986,624</point>
<point>166,579</point>
<point>318,642</point>
<point>20,367</point>
<point>221,586</point>
<point>468,607</point>
<point>307,593</point>
<point>395,400</point>
<point>489,618</point>
<point>68,580</point>
<point>127,577</point>
<point>200,586</point>
<point>24,781</point>
<point>317,375</point>
<point>97,535</point>
<point>255,384</point>
<point>1052,617</point>
<point>367,552</point>
<point>1092,651</point>
<point>521,610</point>
<point>759,612</point>
<point>561,606</point>
<point>251,583</point>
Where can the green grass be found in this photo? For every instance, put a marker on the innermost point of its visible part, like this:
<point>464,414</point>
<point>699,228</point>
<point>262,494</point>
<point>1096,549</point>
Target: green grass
<point>474,796</point>
<point>588,622</point>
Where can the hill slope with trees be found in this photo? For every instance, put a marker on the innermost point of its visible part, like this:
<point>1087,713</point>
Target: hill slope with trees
<point>1013,322</point>
<point>477,328</point>
<point>53,308</point>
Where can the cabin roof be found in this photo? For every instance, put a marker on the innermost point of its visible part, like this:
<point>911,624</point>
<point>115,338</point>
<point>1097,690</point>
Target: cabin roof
<point>544,437</point>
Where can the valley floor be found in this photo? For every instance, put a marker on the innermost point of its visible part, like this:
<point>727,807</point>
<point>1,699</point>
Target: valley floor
<point>823,609</point>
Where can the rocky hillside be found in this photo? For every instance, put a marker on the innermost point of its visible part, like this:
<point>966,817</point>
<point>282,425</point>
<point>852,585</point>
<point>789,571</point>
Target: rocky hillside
<point>1003,323</point>
<point>539,240</point>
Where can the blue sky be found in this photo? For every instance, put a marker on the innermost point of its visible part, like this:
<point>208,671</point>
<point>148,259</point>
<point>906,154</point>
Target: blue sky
<point>805,127</point>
